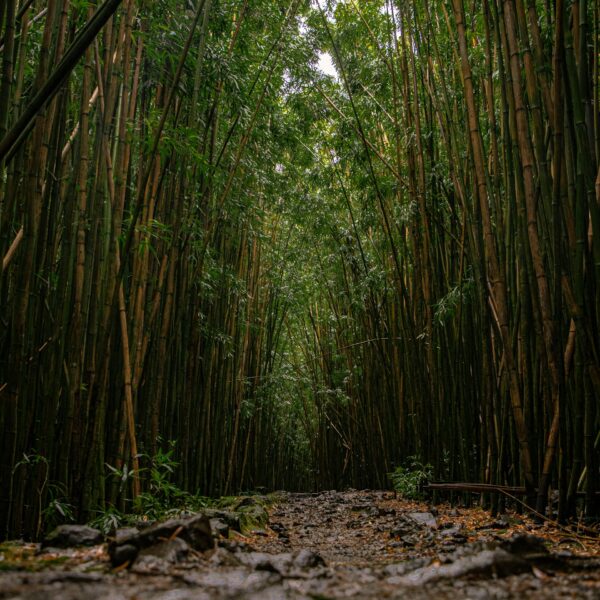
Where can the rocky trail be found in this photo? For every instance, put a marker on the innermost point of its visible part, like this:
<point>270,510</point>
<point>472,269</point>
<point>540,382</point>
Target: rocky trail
<point>328,545</point>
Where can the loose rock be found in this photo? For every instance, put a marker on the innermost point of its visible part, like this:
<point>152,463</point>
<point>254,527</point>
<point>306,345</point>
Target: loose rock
<point>311,553</point>
<point>219,528</point>
<point>69,536</point>
<point>195,531</point>
<point>424,518</point>
<point>496,563</point>
<point>172,551</point>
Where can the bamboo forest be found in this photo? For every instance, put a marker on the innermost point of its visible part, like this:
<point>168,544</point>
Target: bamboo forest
<point>300,255</point>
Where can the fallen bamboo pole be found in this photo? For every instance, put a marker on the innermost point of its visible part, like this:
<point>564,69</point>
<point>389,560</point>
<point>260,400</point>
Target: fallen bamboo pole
<point>481,488</point>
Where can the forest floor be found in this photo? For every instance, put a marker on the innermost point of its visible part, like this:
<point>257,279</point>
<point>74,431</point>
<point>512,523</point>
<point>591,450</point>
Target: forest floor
<point>329,545</point>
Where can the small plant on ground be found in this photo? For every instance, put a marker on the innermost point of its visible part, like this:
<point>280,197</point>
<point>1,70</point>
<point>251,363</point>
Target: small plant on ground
<point>162,498</point>
<point>408,480</point>
<point>163,495</point>
<point>58,510</point>
<point>108,520</point>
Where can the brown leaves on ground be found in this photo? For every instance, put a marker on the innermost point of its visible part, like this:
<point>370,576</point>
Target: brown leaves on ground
<point>355,527</point>
<point>361,544</point>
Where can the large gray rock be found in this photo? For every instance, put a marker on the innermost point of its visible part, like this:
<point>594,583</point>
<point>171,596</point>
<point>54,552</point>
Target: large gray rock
<point>125,532</point>
<point>195,531</point>
<point>68,536</point>
<point>487,563</point>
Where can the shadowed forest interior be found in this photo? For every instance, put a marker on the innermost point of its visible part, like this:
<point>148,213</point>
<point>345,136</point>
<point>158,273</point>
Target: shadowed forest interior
<point>295,245</point>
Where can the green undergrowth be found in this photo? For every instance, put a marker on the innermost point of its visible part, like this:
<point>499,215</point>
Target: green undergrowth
<point>408,479</point>
<point>252,510</point>
<point>162,498</point>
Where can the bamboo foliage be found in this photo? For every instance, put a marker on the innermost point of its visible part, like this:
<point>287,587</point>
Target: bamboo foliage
<point>300,280</point>
<point>115,256</point>
<point>497,181</point>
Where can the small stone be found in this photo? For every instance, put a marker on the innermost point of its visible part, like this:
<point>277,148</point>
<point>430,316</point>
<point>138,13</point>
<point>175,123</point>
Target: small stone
<point>150,565</point>
<point>251,501</point>
<point>454,532</point>
<point>399,569</point>
<point>424,518</point>
<point>459,538</point>
<point>278,527</point>
<point>230,518</point>
<point>260,561</point>
<point>397,532</point>
<point>307,559</point>
<point>172,551</point>
<point>497,524</point>
<point>219,528</point>
<point>374,511</point>
<point>224,558</point>
<point>259,532</point>
<point>526,546</point>
<point>235,546</point>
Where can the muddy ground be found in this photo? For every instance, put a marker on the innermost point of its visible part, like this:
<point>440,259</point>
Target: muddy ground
<point>329,545</point>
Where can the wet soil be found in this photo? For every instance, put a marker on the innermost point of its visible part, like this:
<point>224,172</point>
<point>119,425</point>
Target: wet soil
<point>329,545</point>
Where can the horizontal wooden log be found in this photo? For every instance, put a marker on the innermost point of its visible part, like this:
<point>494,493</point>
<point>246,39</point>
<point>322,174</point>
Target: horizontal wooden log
<point>476,487</point>
<point>482,488</point>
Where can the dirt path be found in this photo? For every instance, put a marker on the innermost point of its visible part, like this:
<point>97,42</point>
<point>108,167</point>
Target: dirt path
<point>330,545</point>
